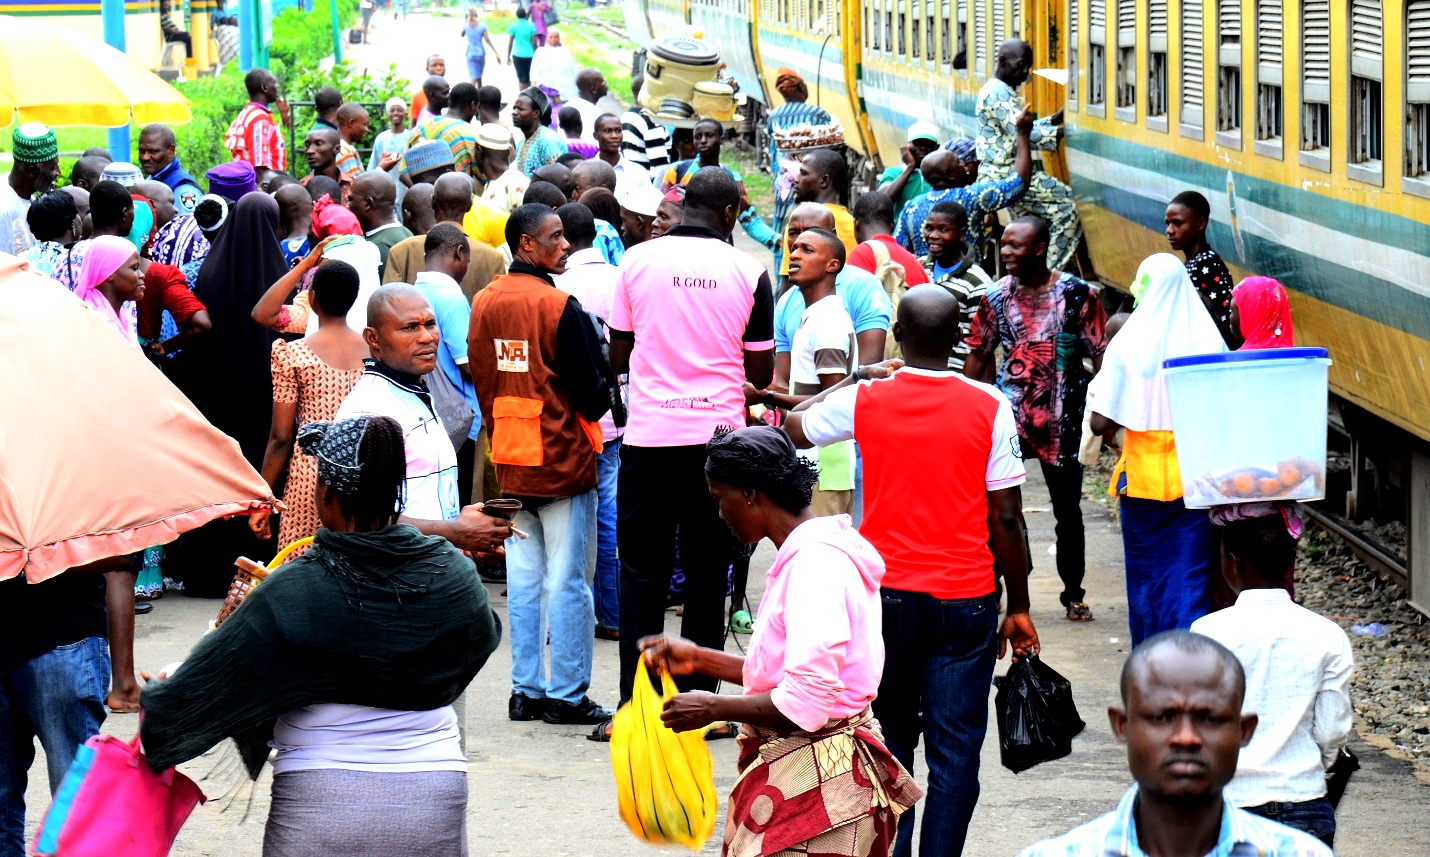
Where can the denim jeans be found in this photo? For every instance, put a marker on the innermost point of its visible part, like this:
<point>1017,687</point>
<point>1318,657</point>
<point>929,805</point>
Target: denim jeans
<point>606,586</point>
<point>57,697</point>
<point>664,498</point>
<point>938,668</point>
<point>1316,817</point>
<point>548,578</point>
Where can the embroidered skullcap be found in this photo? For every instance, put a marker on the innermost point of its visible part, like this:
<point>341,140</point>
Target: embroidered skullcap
<point>643,198</point>
<point>126,174</point>
<point>35,143</point>
<point>335,445</point>
<point>428,155</point>
<point>394,102</point>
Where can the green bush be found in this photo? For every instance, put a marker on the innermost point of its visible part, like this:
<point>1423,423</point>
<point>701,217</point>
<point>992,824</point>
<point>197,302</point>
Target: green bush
<point>302,39</point>
<point>214,102</point>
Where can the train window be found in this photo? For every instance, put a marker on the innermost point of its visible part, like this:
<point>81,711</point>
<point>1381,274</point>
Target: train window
<point>1417,96</point>
<point>1015,23</point>
<point>980,38</point>
<point>1316,84</point>
<point>1074,34</point>
<point>1097,57</point>
<point>1126,81</point>
<point>1366,34</point>
<point>960,29</point>
<point>945,34</point>
<point>1192,69</point>
<point>1000,21</point>
<point>1269,26</point>
<point>1157,64</point>
<point>871,36</point>
<point>1228,78</point>
<point>916,35</point>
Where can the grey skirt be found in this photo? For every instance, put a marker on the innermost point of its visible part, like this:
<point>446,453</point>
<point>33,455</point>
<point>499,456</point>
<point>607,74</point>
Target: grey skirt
<point>362,814</point>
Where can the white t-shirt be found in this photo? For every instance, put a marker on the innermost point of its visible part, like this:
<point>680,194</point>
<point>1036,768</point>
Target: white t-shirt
<point>15,234</point>
<point>359,738</point>
<point>823,343</point>
<point>591,280</point>
<point>431,461</point>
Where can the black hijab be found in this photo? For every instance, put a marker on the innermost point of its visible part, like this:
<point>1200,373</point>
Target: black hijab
<point>227,371</point>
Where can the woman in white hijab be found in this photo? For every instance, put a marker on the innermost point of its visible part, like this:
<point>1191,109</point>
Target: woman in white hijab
<point>1169,548</point>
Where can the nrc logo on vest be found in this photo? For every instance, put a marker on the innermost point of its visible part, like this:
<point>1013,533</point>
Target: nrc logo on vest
<point>512,355</point>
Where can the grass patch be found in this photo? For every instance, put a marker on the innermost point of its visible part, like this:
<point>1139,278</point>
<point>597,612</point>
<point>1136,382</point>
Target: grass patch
<point>759,186</point>
<point>596,47</point>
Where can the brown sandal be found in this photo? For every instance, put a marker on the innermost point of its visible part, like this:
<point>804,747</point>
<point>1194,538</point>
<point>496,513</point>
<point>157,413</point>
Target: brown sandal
<point>1079,612</point>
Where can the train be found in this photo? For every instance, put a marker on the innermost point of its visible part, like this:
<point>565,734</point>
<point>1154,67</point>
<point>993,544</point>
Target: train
<point>1305,123</point>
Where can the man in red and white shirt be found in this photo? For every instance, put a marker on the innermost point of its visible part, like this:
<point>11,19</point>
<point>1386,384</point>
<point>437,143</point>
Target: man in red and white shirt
<point>692,321</point>
<point>253,136</point>
<point>941,522</point>
<point>874,222</point>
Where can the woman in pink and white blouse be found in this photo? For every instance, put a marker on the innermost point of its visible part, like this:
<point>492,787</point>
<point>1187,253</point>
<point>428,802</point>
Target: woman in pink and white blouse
<point>812,671</point>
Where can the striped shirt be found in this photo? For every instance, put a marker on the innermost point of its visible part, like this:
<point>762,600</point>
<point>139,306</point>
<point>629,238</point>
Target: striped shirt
<point>254,137</point>
<point>792,114</point>
<point>644,140</point>
<point>459,136</point>
<point>1242,835</point>
<point>349,164</point>
<point>968,282</point>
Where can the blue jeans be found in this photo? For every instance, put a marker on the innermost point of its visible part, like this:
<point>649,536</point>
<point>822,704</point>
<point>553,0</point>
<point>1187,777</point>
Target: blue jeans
<point>1316,817</point>
<point>57,697</point>
<point>606,587</point>
<point>938,667</point>
<point>548,578</point>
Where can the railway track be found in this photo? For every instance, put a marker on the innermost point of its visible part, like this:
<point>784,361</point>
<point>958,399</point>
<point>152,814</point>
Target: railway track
<point>1372,554</point>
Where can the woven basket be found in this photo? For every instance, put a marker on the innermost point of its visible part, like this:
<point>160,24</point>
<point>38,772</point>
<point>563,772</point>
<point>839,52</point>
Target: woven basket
<point>249,575</point>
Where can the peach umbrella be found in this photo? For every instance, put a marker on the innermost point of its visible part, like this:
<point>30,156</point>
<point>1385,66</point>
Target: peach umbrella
<point>100,455</point>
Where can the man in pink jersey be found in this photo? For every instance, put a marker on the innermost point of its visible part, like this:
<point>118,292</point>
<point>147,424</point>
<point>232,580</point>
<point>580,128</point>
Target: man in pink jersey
<point>940,523</point>
<point>692,321</point>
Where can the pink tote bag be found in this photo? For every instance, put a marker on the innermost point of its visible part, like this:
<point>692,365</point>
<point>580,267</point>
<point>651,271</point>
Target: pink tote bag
<point>111,803</point>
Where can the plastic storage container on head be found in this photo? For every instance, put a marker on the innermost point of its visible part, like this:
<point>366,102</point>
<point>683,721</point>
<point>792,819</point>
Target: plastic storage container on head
<point>673,66</point>
<point>1250,425</point>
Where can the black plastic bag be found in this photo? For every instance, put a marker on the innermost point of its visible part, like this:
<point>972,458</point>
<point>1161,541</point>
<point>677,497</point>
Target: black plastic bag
<point>1037,719</point>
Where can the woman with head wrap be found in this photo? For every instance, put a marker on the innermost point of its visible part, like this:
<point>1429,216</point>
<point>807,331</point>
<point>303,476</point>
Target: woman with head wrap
<point>311,377</point>
<point>336,235</point>
<point>346,662</point>
<point>812,670</point>
<point>110,282</point>
<point>539,144</point>
<point>795,112</point>
<point>1261,315</point>
<point>670,211</point>
<point>1169,550</point>
<point>225,373</point>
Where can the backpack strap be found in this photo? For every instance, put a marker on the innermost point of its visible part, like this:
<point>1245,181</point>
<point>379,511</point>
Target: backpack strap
<point>881,253</point>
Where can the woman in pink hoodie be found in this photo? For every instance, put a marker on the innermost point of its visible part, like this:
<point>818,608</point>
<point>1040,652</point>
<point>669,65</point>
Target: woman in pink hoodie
<point>812,671</point>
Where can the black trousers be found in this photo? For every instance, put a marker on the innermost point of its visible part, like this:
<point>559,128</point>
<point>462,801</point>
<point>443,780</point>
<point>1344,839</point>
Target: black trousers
<point>661,496</point>
<point>1065,489</point>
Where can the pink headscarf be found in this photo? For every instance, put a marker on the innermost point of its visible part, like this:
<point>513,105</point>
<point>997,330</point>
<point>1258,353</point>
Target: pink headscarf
<point>330,218</point>
<point>102,257</point>
<point>1265,313</point>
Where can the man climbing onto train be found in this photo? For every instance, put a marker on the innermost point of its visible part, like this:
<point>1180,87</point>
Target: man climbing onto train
<point>998,111</point>
<point>952,173</point>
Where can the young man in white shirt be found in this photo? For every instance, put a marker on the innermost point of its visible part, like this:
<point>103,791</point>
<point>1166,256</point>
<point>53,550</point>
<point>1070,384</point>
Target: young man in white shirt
<point>822,353</point>
<point>1298,667</point>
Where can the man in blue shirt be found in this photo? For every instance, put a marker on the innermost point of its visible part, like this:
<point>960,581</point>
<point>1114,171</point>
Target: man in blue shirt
<point>447,256</point>
<point>861,293</point>
<point>1182,722</point>
<point>159,162</point>
<point>952,173</point>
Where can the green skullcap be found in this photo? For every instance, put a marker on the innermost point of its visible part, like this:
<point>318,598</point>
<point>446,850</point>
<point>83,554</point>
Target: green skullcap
<point>35,143</point>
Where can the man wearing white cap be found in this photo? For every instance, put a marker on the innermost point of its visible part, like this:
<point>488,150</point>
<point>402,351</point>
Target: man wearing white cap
<point>387,149</point>
<point>504,185</point>
<point>638,207</point>
<point>904,183</point>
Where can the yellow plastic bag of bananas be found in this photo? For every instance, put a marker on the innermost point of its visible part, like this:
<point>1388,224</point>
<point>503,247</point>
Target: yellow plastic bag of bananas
<point>664,780</point>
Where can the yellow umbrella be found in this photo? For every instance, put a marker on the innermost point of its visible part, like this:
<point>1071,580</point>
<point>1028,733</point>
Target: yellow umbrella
<point>59,76</point>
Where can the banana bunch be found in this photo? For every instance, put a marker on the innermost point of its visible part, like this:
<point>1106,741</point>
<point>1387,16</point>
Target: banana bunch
<point>664,780</point>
